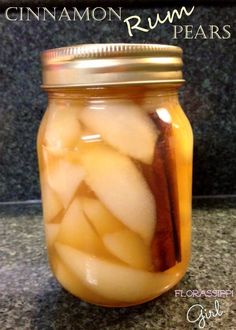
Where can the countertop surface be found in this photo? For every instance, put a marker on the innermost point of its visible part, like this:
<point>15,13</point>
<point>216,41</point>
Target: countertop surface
<point>32,299</point>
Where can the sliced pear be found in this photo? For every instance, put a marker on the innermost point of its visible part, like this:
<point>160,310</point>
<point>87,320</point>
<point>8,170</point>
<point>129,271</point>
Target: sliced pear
<point>124,126</point>
<point>110,280</point>
<point>51,231</point>
<point>63,176</point>
<point>122,189</point>
<point>121,242</point>
<point>63,127</point>
<point>76,231</point>
<point>130,248</point>
<point>73,284</point>
<point>102,220</point>
<point>51,203</point>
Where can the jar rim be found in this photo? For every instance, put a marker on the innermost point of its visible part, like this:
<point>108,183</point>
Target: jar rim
<point>91,65</point>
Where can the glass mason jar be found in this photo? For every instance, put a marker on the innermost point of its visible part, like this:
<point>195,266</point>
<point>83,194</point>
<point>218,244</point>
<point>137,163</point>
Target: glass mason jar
<point>115,159</point>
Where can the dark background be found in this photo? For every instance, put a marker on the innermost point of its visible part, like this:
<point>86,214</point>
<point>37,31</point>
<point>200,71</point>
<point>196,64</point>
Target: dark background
<point>208,97</point>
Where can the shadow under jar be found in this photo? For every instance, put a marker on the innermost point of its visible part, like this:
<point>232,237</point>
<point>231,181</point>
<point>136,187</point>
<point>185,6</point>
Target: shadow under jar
<point>115,159</point>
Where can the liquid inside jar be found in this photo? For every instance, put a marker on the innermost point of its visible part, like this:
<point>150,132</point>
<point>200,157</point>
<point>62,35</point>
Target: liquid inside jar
<point>116,188</point>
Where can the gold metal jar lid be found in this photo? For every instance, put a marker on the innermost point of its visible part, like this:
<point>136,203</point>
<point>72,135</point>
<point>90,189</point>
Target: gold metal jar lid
<point>91,65</point>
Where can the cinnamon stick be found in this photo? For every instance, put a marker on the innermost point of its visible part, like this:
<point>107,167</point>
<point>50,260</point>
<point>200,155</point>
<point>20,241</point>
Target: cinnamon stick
<point>163,246</point>
<point>161,177</point>
<point>171,175</point>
